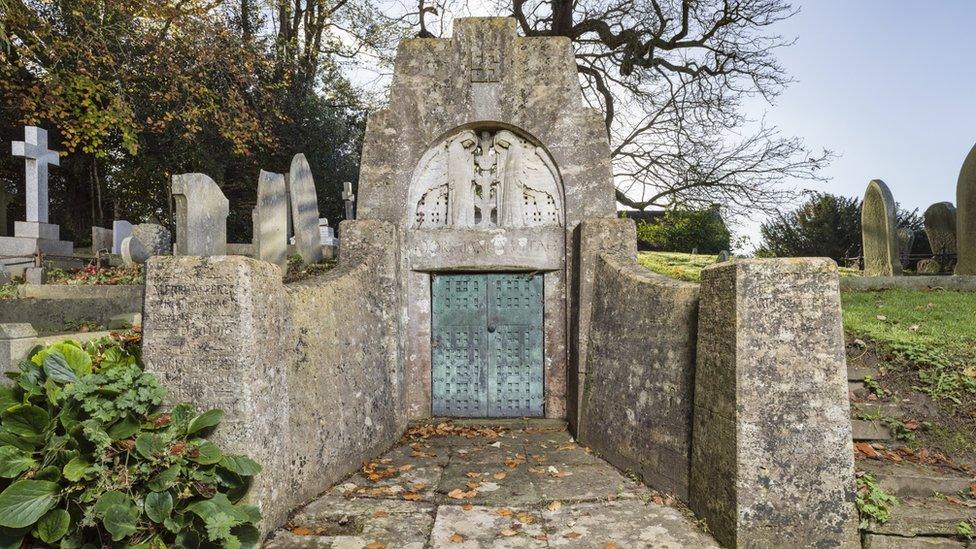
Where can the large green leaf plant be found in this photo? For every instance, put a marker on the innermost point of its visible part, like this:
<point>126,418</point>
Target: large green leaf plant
<point>88,458</point>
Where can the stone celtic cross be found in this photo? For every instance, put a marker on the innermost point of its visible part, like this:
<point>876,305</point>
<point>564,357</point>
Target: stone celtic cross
<point>37,156</point>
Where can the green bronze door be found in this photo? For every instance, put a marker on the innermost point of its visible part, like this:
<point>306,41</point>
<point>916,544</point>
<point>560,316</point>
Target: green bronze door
<point>487,345</point>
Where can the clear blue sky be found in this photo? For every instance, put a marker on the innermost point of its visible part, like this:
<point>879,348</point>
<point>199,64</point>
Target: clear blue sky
<point>890,85</point>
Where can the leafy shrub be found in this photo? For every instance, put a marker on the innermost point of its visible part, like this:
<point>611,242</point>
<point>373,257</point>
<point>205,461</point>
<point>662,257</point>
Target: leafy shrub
<point>683,230</point>
<point>88,456</point>
<point>826,225</point>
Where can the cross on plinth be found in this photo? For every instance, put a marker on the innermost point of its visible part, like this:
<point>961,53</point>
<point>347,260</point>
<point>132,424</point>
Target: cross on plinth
<point>37,156</point>
<point>349,198</point>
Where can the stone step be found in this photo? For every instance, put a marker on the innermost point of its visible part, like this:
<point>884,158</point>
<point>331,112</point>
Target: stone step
<point>876,541</point>
<point>911,479</point>
<point>870,430</point>
<point>923,517</point>
<point>875,408</point>
<point>858,374</point>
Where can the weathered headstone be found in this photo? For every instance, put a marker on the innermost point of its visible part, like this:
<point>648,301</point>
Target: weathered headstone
<point>966,216</point>
<point>121,229</point>
<point>157,239</point>
<point>349,199</point>
<point>6,199</point>
<point>133,252</point>
<point>722,256</point>
<point>272,217</point>
<point>327,233</point>
<point>201,215</point>
<point>929,267</point>
<point>305,209</point>
<point>940,228</point>
<point>906,239</point>
<point>101,239</point>
<point>767,471</point>
<point>35,275</point>
<point>879,239</point>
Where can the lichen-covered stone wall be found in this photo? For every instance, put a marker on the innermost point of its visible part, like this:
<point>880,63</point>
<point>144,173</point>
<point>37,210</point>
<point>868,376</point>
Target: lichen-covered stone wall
<point>772,461</point>
<point>307,373</point>
<point>637,400</point>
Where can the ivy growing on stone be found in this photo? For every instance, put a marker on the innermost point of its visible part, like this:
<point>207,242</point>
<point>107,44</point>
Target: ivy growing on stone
<point>88,458</point>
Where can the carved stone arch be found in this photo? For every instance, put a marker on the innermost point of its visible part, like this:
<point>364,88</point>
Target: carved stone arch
<point>485,176</point>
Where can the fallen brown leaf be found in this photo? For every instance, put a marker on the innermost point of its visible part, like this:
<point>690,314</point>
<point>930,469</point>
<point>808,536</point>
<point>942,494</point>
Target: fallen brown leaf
<point>572,535</point>
<point>504,512</point>
<point>555,506</point>
<point>457,538</point>
<point>301,531</point>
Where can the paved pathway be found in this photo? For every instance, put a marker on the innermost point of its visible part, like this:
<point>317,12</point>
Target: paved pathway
<point>505,484</point>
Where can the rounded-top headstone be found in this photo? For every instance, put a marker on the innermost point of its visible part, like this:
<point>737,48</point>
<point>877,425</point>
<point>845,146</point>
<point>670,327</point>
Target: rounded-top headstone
<point>133,252</point>
<point>305,209</point>
<point>966,216</point>
<point>940,228</point>
<point>878,233</point>
<point>158,240</point>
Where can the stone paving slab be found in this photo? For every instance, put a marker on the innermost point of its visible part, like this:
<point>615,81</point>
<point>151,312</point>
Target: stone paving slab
<point>335,521</point>
<point>515,489</point>
<point>479,526</point>
<point>531,486</point>
<point>623,523</point>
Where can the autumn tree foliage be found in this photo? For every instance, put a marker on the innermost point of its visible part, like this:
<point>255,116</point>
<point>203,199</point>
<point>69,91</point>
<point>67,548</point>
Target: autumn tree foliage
<point>136,91</point>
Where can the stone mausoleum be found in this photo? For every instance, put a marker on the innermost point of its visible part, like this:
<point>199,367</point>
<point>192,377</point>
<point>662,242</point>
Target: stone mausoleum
<point>488,276</point>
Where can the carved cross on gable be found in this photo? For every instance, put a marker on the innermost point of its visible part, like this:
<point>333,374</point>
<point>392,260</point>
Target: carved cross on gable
<point>486,64</point>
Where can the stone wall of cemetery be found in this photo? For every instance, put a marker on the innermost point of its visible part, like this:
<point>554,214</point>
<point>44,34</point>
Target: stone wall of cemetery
<point>345,384</point>
<point>307,373</point>
<point>637,401</point>
<point>55,308</point>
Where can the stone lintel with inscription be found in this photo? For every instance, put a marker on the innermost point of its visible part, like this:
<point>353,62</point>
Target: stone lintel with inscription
<point>528,248</point>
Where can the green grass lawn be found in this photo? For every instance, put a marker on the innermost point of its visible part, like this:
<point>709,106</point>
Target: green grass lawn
<point>939,320</point>
<point>676,265</point>
<point>688,266</point>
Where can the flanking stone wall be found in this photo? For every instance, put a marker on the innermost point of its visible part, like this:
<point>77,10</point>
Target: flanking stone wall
<point>593,237</point>
<point>637,401</point>
<point>308,373</point>
<point>51,308</point>
<point>772,458</point>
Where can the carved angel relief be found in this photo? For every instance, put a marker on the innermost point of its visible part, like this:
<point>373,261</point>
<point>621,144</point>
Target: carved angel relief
<point>487,179</point>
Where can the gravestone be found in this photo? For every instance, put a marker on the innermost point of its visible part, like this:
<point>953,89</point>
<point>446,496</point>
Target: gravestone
<point>906,239</point>
<point>133,252</point>
<point>6,199</point>
<point>966,216</point>
<point>940,228</point>
<point>928,266</point>
<point>878,234</point>
<point>327,233</point>
<point>156,239</point>
<point>201,215</point>
<point>272,216</point>
<point>101,239</point>
<point>722,256</point>
<point>36,233</point>
<point>349,199</point>
<point>305,210</point>
<point>121,229</point>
